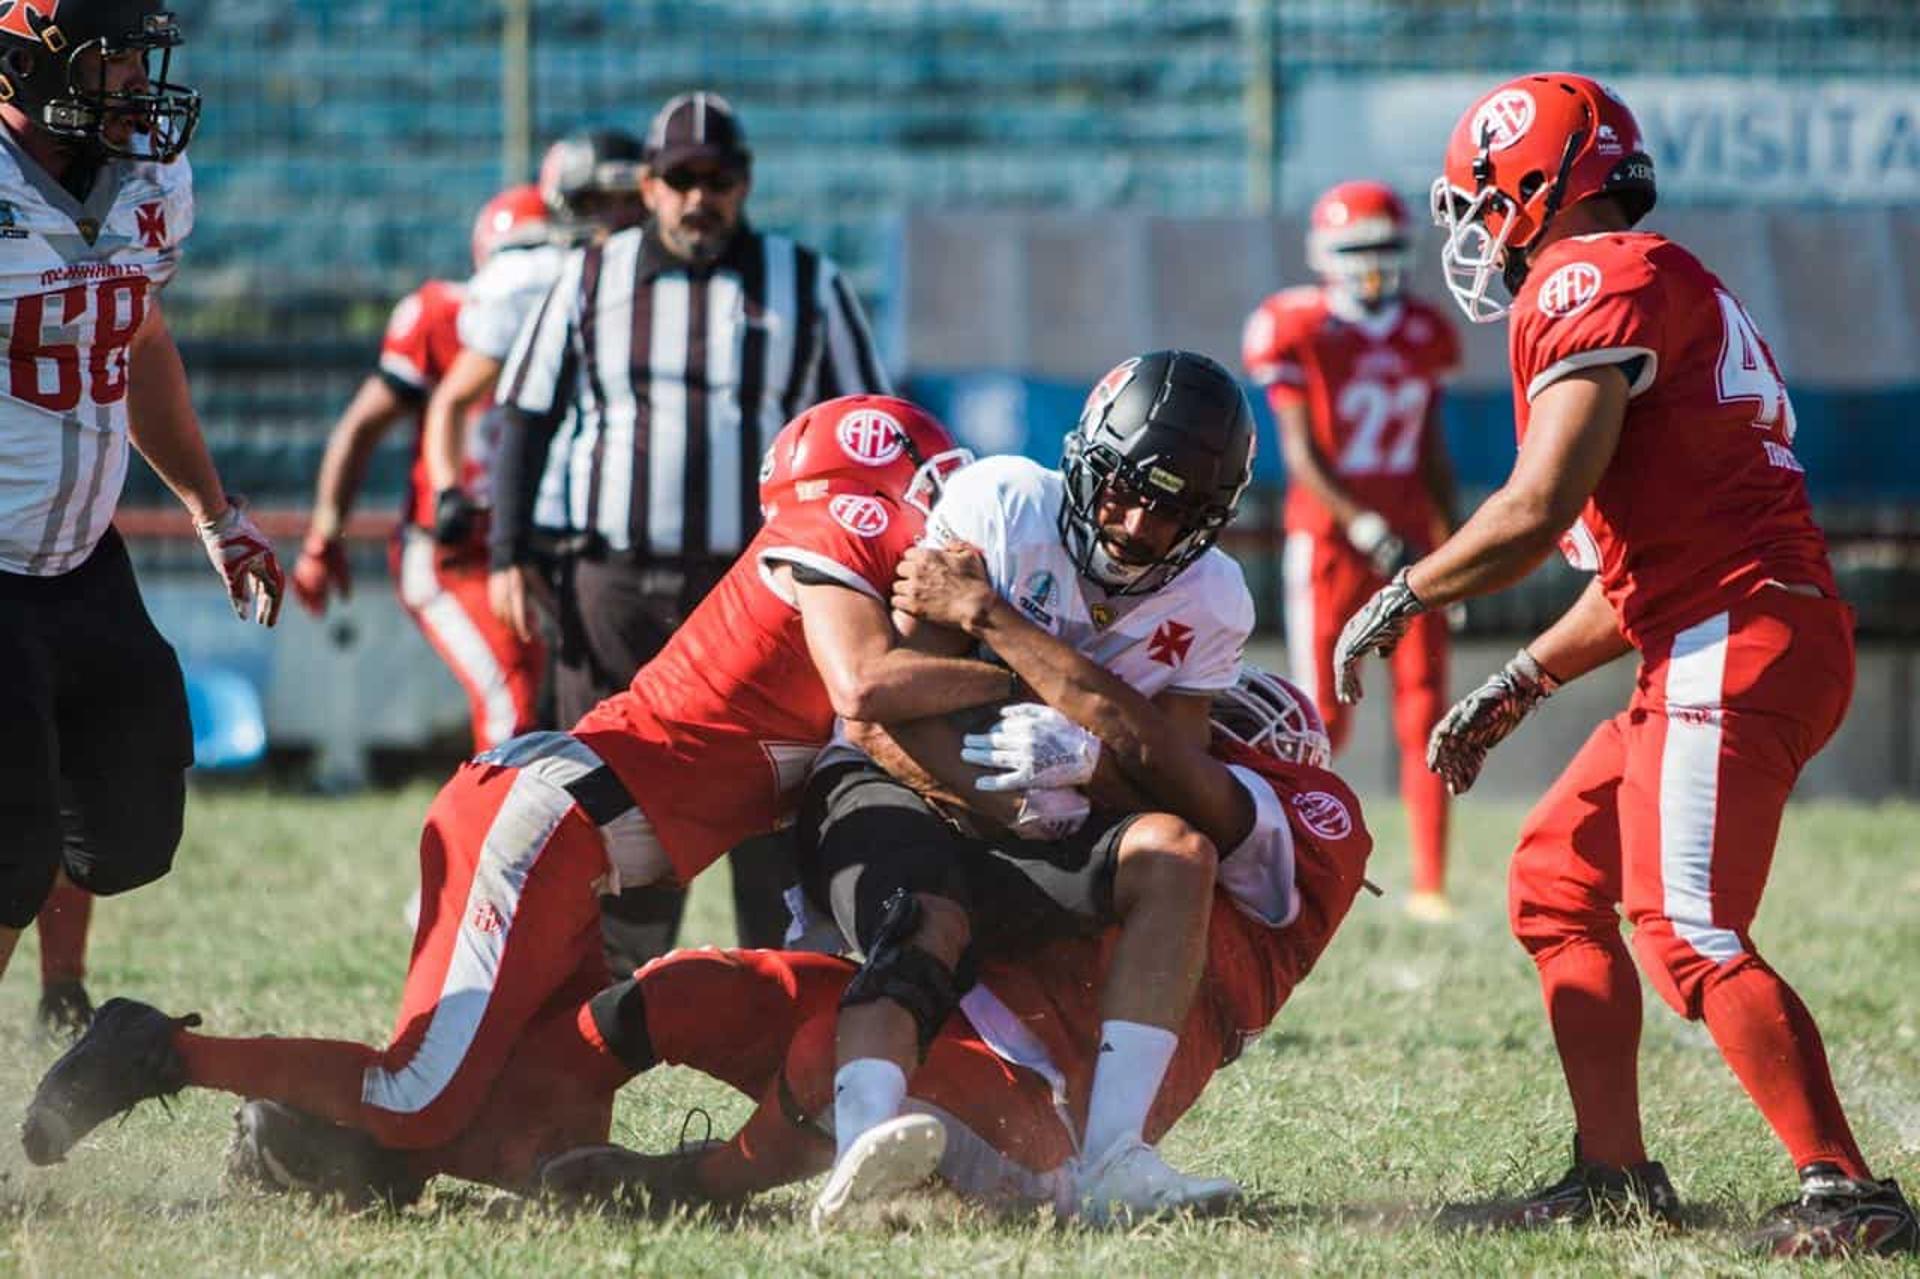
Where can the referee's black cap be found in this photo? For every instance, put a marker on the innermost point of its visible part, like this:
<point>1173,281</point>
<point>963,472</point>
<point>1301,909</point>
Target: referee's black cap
<point>696,126</point>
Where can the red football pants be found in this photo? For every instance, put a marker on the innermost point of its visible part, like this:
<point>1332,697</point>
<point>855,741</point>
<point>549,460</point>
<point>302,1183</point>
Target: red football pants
<point>1671,809</point>
<point>1327,582</point>
<point>499,672</point>
<point>509,933</point>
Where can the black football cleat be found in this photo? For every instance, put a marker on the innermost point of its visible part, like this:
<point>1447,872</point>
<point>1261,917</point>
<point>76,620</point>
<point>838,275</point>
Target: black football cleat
<point>125,1057</point>
<point>1837,1216</point>
<point>65,1010</point>
<point>1596,1193</point>
<point>278,1150</point>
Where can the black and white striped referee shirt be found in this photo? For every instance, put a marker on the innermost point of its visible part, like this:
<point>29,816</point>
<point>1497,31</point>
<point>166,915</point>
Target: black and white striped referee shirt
<point>677,379</point>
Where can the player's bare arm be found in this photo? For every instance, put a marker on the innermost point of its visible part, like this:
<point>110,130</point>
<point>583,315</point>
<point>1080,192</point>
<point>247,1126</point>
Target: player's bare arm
<point>1159,744</point>
<point>1575,428</point>
<point>374,409</point>
<point>469,382</point>
<point>161,420</point>
<point>161,424</point>
<point>868,674</point>
<point>322,568</point>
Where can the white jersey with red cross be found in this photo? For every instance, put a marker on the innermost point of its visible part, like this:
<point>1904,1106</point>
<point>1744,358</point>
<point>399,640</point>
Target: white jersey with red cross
<point>1187,636</point>
<point>76,279</point>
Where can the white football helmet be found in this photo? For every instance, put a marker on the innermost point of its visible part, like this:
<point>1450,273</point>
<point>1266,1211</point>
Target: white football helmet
<point>1274,715</point>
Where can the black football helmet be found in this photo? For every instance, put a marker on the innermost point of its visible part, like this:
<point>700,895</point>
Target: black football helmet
<point>591,177</point>
<point>1171,429</point>
<point>48,71</point>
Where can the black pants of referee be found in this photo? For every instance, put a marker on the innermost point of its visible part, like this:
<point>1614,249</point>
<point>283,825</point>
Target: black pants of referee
<point>95,742</point>
<point>615,615</point>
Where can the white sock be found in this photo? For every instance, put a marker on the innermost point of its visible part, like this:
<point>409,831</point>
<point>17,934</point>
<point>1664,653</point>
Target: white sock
<point>1126,1079</point>
<point>866,1091</point>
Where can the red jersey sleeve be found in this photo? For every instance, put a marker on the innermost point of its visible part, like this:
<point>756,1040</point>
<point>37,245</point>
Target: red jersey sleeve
<point>853,539</point>
<point>1272,347</point>
<point>1597,305</point>
<point>403,351</point>
<point>420,339</point>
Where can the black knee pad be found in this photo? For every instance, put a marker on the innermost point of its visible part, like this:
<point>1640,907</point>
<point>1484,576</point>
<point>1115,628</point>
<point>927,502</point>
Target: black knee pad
<point>620,1015</point>
<point>909,976</point>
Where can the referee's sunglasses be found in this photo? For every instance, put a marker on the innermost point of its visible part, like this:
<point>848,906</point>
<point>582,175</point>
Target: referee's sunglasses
<point>713,181</point>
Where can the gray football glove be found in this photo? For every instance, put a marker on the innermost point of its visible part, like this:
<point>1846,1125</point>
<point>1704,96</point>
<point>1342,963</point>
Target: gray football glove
<point>1376,628</point>
<point>1482,719</point>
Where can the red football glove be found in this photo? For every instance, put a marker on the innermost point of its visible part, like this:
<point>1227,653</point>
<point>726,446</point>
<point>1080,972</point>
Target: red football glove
<point>321,571</point>
<point>244,558</point>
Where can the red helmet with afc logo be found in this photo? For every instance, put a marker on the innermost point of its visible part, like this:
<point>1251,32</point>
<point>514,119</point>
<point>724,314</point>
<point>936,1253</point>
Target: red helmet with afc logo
<point>1357,241</point>
<point>860,444</point>
<point>1528,149</point>
<point>515,218</point>
<point>1272,715</point>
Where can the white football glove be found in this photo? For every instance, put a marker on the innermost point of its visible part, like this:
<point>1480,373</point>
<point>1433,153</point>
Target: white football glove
<point>1369,534</point>
<point>1050,814</point>
<point>1036,747</point>
<point>244,558</point>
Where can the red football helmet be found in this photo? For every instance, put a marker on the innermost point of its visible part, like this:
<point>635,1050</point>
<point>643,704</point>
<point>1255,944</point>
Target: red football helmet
<point>1517,157</point>
<point>1272,715</point>
<point>1357,242</point>
<point>513,219</point>
<point>860,444</point>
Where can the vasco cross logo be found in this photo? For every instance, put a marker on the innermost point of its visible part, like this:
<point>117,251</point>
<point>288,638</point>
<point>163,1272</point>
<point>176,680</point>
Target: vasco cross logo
<point>1170,643</point>
<point>151,219</point>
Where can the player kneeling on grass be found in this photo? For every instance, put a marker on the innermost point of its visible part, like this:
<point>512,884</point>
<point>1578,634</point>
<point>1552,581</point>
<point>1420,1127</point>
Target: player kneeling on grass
<point>999,1106</point>
<point>1656,442</point>
<point>703,750</point>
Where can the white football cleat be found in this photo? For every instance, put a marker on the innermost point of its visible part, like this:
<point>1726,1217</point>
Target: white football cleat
<point>1132,1180</point>
<point>884,1160</point>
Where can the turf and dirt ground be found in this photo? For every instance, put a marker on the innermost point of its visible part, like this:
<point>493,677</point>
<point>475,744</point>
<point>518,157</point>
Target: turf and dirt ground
<point>1412,1071</point>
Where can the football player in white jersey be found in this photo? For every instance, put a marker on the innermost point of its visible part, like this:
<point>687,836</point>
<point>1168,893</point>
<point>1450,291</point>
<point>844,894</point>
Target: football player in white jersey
<point>591,183</point>
<point>1114,554</point>
<point>95,200</point>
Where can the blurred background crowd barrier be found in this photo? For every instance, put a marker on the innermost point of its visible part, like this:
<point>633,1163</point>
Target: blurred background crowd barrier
<point>1024,190</point>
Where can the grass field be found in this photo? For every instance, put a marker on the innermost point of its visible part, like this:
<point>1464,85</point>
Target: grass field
<point>1413,1070</point>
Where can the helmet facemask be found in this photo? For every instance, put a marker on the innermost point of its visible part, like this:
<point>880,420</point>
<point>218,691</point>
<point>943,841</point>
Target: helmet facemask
<point>1098,473</point>
<point>1471,253</point>
<point>164,114</point>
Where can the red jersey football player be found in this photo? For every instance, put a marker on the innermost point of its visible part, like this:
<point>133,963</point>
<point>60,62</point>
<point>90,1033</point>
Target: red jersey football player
<point>443,586</point>
<point>1004,1091</point>
<point>1656,435</point>
<point>1353,368</point>
<point>704,749</point>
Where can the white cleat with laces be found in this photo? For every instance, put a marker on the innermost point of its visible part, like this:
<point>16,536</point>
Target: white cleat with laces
<point>1131,1180</point>
<point>882,1161</point>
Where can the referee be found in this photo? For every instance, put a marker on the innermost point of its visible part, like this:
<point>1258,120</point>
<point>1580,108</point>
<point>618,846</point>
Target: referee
<point>681,347</point>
